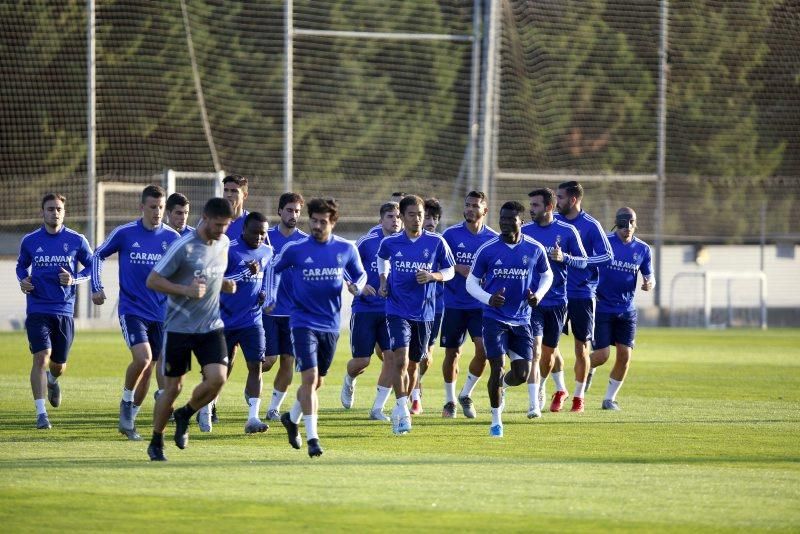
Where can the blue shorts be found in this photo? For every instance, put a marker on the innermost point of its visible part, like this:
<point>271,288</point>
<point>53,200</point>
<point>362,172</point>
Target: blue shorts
<point>457,323</point>
<point>614,328</point>
<point>54,332</point>
<point>208,348</point>
<point>502,338</point>
<point>278,335</point>
<point>366,329</point>
<point>580,316</point>
<point>250,338</point>
<point>407,333</point>
<point>547,322</point>
<point>314,349</point>
<point>436,327</point>
<point>136,330</point>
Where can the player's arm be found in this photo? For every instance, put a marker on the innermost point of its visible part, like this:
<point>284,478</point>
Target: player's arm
<point>384,267</point>
<point>576,255</point>
<point>446,267</point>
<point>648,278</point>
<point>602,254</point>
<point>355,274</point>
<point>23,265</point>
<point>545,279</point>
<point>106,249</point>
<point>86,258</point>
<point>157,282</point>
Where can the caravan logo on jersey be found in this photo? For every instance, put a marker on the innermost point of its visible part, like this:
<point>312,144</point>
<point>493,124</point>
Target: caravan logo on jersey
<point>316,274</point>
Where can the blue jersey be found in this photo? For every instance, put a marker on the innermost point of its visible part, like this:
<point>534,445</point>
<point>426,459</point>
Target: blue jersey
<point>516,268</point>
<point>281,294</point>
<point>242,309</point>
<point>317,271</point>
<point>574,256</point>
<point>42,256</point>
<point>236,227</point>
<point>367,247</point>
<point>186,229</point>
<point>582,283</point>
<point>618,279</point>
<point>464,244</point>
<point>407,298</point>
<point>139,250</point>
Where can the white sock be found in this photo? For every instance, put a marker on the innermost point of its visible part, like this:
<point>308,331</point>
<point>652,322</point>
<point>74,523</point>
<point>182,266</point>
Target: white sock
<point>613,389</point>
<point>558,378</point>
<point>135,411</point>
<point>415,394</point>
<point>469,385</point>
<point>543,388</point>
<point>533,396</point>
<point>254,404</point>
<point>277,399</point>
<point>127,395</point>
<point>496,420</point>
<point>449,392</point>
<point>40,409</point>
<point>296,413</point>
<point>311,427</point>
<point>381,396</point>
<point>350,381</point>
<point>50,378</point>
<point>580,387</point>
<point>401,407</point>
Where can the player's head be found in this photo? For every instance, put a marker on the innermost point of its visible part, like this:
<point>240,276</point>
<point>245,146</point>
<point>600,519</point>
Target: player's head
<point>475,206</point>
<point>390,218</point>
<point>511,219</point>
<point>397,196</point>
<point>433,214</point>
<point>289,207</point>
<point>255,229</point>
<point>53,210</point>
<point>542,202</point>
<point>153,202</point>
<point>323,214</point>
<point>217,215</point>
<point>412,211</point>
<point>625,223</point>
<point>234,189</point>
<point>568,197</point>
<point>177,211</point>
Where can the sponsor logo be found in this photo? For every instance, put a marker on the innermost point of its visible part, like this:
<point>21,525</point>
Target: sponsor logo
<point>510,272</point>
<point>412,266</point>
<point>398,255</point>
<point>462,245</point>
<point>136,245</point>
<point>39,249</point>
<point>309,260</point>
<point>498,262</point>
<point>145,258</point>
<point>322,273</point>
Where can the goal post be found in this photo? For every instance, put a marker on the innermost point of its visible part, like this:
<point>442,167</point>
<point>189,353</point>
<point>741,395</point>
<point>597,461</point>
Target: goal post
<point>704,284</point>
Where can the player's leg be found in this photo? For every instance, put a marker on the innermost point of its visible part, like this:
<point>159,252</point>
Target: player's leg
<point>175,363</point>
<point>582,322</point>
<point>454,331</point>
<point>535,380</point>
<point>279,342</point>
<point>251,340</point>
<point>384,387</point>
<point>362,341</point>
<point>135,330</point>
<point>39,383</point>
<point>325,351</point>
<point>427,361</point>
<point>476,365</point>
<point>624,333</point>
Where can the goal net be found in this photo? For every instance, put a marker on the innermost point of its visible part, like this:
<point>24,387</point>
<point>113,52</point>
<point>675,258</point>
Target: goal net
<point>718,299</point>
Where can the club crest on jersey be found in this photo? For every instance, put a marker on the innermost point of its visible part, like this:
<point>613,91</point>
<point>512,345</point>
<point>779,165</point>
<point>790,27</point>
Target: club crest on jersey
<point>524,260</point>
<point>636,257</point>
<point>339,258</point>
<point>164,246</point>
<point>426,253</point>
<point>66,247</point>
<point>558,239</point>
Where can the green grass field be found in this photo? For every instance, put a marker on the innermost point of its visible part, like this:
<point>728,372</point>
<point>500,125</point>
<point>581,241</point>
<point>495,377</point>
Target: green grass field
<point>708,439</point>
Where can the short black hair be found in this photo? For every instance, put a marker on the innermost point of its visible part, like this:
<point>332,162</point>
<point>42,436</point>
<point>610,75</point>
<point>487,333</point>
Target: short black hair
<point>238,179</point>
<point>153,191</point>
<point>254,216</point>
<point>514,206</point>
<point>433,207</point>
<point>290,198</point>
<point>547,194</point>
<point>218,207</point>
<point>53,196</point>
<point>476,194</point>
<point>324,205</point>
<point>573,189</point>
<point>389,206</point>
<point>411,200</point>
<point>176,199</point>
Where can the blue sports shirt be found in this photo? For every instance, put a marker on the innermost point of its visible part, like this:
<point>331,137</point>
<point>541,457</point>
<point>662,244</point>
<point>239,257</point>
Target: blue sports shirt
<point>582,283</point>
<point>618,279</point>
<point>367,247</point>
<point>281,294</point>
<point>574,256</point>
<point>463,244</point>
<point>242,309</point>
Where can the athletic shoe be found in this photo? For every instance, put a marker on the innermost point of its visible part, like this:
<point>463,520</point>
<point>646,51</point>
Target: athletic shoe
<point>43,422</point>
<point>609,404</point>
<point>254,425</point>
<point>156,454</point>
<point>416,407</point>
<point>577,405</point>
<point>558,401</point>
<point>204,419</point>
<point>125,415</point>
<point>313,448</point>
<point>449,410</point>
<point>54,393</point>
<point>181,428</point>
<point>403,425</point>
<point>534,413</point>
<point>273,415</point>
<point>496,431</point>
<point>468,407</point>
<point>378,415</point>
<point>347,395</point>
<point>130,433</point>
<point>588,381</point>
<point>214,417</point>
<point>291,430</point>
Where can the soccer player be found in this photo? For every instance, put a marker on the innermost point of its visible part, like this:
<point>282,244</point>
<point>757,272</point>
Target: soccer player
<point>178,213</point>
<point>462,313</point>
<point>191,274</point>
<point>504,272</point>
<point>433,214</point>
<point>319,265</point>
<point>581,289</point>
<point>405,263</point>
<point>396,197</point>
<point>563,246</point>
<point>248,262</point>
<point>276,314</point>
<point>140,244</point>
<point>368,321</point>
<point>47,271</point>
<point>234,189</point>
<point>616,313</point>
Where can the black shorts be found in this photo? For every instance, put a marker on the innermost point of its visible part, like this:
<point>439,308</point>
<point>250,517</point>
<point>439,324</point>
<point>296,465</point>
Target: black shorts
<point>208,348</point>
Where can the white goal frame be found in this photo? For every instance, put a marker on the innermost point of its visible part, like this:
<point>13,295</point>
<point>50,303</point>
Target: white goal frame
<point>709,277</point>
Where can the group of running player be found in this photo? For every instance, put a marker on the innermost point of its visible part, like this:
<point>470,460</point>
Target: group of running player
<point>276,294</point>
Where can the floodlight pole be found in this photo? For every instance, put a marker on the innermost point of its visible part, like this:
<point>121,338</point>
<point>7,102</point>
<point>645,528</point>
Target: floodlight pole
<point>288,94</point>
<point>91,139</point>
<point>661,174</point>
<point>489,97</point>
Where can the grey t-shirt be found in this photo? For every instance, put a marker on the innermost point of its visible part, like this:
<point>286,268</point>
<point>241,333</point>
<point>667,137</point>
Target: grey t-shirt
<point>187,258</point>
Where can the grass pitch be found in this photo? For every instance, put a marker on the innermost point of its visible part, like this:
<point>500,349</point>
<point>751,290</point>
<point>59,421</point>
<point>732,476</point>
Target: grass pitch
<point>707,440</point>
